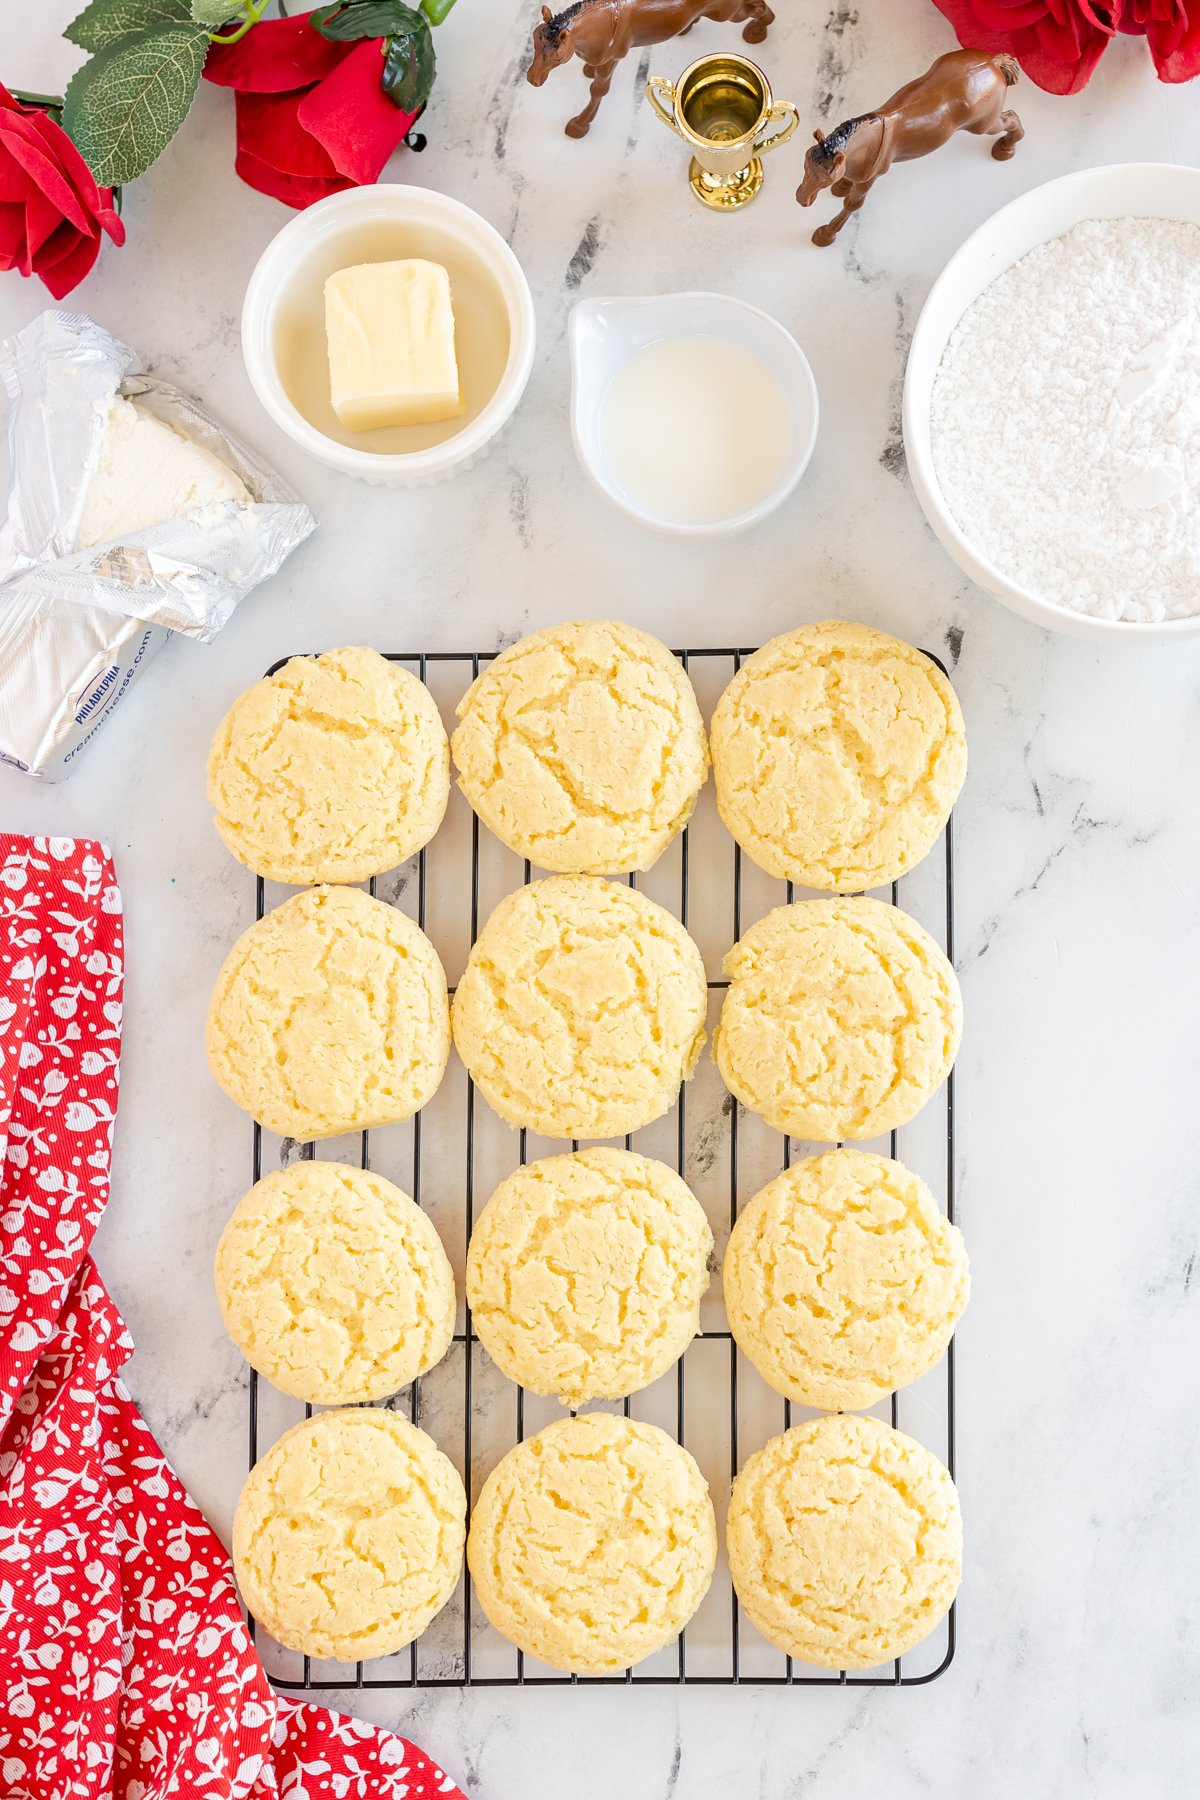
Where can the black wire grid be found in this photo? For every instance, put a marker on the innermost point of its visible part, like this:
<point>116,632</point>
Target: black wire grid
<point>726,1659</point>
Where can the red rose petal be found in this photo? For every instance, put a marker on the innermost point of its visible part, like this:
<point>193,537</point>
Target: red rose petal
<point>1182,63</point>
<point>39,131</point>
<point>1165,38</point>
<point>12,233</point>
<point>1000,15</point>
<point>96,204</point>
<point>51,210</point>
<point>65,273</point>
<point>1048,71</point>
<point>42,220</point>
<point>276,57</point>
<point>63,241</point>
<point>1057,42</point>
<point>1061,39</point>
<point>22,122</point>
<point>269,131</point>
<point>45,173</point>
<point>350,114</point>
<point>297,191</point>
<point>1173,36</point>
<point>110,220</point>
<point>14,180</point>
<point>59,147</point>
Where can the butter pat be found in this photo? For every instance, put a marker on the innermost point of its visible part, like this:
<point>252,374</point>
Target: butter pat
<point>390,328</point>
<point>145,474</point>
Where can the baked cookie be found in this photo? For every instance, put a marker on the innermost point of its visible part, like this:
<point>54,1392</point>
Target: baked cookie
<point>330,1015</point>
<point>348,1537</point>
<point>335,768</point>
<point>334,1285</point>
<point>582,748</point>
<point>843,1281</point>
<point>593,1543</point>
<point>838,753</point>
<point>841,1019</point>
<point>845,1542</point>
<point>582,1008</point>
<point>585,1274</point>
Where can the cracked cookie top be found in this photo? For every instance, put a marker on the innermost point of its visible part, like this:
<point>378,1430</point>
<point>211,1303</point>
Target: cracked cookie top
<point>348,1536</point>
<point>335,768</point>
<point>842,1018</point>
<point>593,1543</point>
<point>585,1273</point>
<point>582,748</point>
<point>582,1008</point>
<point>334,1285</point>
<point>838,753</point>
<point>845,1542</point>
<point>330,1015</point>
<point>843,1281</point>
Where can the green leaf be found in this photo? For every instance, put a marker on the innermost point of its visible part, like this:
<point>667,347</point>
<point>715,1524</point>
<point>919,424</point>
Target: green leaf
<point>409,64</point>
<point>124,106</point>
<point>437,10</point>
<point>409,68</point>
<point>106,23</point>
<point>212,14</point>
<point>367,19</point>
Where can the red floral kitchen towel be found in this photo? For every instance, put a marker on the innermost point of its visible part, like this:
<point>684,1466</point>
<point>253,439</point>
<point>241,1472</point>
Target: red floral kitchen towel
<point>125,1666</point>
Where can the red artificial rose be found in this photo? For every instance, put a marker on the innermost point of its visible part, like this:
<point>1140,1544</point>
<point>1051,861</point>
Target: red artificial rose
<point>312,116</point>
<point>1173,37</point>
<point>1057,42</point>
<point>51,211</point>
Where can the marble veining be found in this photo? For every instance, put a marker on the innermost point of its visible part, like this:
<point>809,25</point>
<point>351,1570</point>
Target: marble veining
<point>1079,865</point>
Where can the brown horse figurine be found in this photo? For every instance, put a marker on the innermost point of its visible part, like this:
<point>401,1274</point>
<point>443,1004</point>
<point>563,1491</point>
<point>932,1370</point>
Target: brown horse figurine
<point>964,91</point>
<point>601,32</point>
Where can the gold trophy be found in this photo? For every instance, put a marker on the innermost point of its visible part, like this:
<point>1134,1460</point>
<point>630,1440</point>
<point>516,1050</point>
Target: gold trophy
<point>721,107</point>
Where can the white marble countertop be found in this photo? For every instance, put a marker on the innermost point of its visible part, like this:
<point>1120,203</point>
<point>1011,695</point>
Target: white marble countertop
<point>1079,869</point>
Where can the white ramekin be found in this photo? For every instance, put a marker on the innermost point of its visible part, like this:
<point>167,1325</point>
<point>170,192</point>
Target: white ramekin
<point>1141,190</point>
<point>283,263</point>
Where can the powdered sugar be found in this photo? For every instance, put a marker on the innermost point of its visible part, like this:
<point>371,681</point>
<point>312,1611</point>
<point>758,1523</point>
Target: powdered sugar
<point>1066,420</point>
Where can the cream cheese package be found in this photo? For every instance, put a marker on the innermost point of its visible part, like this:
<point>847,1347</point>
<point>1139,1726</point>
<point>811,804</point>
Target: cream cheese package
<point>132,515</point>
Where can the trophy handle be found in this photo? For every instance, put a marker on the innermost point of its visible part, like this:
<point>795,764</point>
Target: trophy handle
<point>659,88</point>
<point>782,109</point>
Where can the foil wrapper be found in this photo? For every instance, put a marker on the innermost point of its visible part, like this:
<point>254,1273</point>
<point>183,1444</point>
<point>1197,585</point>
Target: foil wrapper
<point>79,627</point>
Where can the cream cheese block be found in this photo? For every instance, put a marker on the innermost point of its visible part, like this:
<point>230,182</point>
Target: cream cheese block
<point>147,473</point>
<point>390,331</point>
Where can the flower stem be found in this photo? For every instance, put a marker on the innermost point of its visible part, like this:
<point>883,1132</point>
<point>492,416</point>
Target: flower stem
<point>254,12</point>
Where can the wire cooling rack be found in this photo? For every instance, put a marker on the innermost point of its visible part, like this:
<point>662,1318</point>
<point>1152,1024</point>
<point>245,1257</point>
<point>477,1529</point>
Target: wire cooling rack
<point>453,1154</point>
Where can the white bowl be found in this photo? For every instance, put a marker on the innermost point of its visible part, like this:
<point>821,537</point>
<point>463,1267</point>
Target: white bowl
<point>1142,190</point>
<point>283,329</point>
<point>604,333</point>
